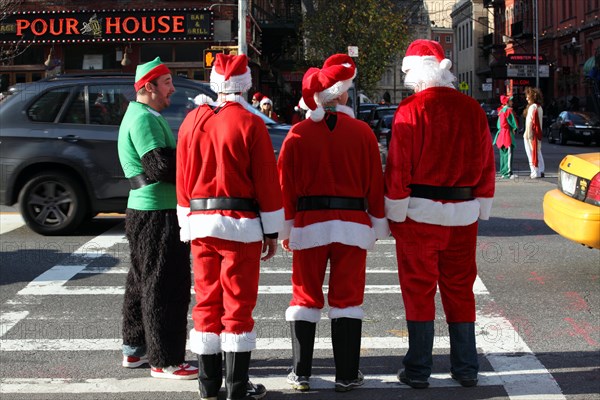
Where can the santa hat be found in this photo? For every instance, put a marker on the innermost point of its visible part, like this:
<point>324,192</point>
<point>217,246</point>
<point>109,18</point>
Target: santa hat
<point>424,50</point>
<point>230,74</point>
<point>266,100</point>
<point>504,99</point>
<point>320,86</point>
<point>258,96</point>
<point>148,72</point>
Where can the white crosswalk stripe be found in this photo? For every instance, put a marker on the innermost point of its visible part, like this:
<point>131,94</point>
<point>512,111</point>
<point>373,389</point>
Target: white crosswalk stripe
<point>515,367</point>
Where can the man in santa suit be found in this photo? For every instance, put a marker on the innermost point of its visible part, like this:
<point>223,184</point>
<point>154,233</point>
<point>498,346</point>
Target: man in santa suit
<point>229,207</point>
<point>332,183</point>
<point>439,180</point>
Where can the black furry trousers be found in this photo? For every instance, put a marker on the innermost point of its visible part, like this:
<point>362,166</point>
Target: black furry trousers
<point>157,292</point>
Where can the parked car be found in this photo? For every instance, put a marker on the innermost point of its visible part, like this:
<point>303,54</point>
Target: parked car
<point>59,146</point>
<point>576,126</point>
<point>383,129</point>
<point>573,208</point>
<point>379,112</point>
<point>364,110</point>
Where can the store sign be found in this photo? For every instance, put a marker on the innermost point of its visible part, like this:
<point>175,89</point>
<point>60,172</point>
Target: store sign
<point>525,59</point>
<point>526,71</point>
<point>107,26</point>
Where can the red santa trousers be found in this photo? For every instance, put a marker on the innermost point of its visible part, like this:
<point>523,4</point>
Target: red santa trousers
<point>226,284</point>
<point>434,255</point>
<point>347,271</point>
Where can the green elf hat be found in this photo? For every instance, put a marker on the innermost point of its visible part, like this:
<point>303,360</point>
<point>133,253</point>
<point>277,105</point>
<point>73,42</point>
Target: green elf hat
<point>148,72</point>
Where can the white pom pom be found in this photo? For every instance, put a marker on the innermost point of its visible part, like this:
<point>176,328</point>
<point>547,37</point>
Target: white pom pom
<point>202,99</point>
<point>318,114</point>
<point>446,64</point>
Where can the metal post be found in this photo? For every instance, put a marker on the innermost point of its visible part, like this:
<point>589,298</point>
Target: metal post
<point>537,50</point>
<point>242,12</point>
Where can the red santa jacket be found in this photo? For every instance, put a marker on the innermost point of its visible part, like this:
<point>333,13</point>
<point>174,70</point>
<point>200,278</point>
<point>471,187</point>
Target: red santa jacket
<point>440,137</point>
<point>227,154</point>
<point>345,162</point>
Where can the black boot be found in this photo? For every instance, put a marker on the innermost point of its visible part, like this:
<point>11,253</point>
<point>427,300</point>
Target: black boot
<point>303,343</point>
<point>418,359</point>
<point>463,353</point>
<point>210,375</point>
<point>237,384</point>
<point>345,338</point>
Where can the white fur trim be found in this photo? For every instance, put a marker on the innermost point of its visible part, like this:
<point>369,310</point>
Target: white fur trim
<point>184,223</point>
<point>272,221</point>
<point>485,207</point>
<point>287,228</point>
<point>238,342</point>
<point>317,114</point>
<point>345,110</point>
<point>333,92</point>
<point>336,231</point>
<point>413,62</point>
<point>348,312</point>
<point>381,227</point>
<point>395,210</point>
<point>445,214</point>
<point>302,104</point>
<point>204,99</point>
<point>204,342</point>
<point>245,230</point>
<point>235,84</point>
<point>300,313</point>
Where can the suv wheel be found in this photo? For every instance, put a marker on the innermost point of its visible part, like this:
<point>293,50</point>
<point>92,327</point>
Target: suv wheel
<point>52,203</point>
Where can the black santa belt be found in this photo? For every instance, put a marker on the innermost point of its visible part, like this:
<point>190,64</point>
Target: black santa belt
<point>224,203</point>
<point>331,203</point>
<point>460,193</point>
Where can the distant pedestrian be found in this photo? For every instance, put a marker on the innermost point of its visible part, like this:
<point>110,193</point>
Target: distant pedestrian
<point>532,138</point>
<point>505,136</point>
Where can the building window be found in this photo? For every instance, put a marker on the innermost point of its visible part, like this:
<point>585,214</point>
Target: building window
<point>436,38</point>
<point>448,39</point>
<point>448,54</point>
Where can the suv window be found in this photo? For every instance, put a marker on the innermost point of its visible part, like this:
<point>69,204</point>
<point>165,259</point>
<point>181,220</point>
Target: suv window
<point>182,102</point>
<point>108,103</point>
<point>47,106</point>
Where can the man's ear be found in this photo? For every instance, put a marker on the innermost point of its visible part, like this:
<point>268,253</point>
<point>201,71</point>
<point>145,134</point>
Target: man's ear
<point>149,86</point>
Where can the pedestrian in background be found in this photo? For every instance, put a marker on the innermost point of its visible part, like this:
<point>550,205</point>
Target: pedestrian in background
<point>157,291</point>
<point>332,183</point>
<point>256,98</point>
<point>230,208</point>
<point>505,137</point>
<point>533,135</point>
<point>439,180</point>
<point>266,107</point>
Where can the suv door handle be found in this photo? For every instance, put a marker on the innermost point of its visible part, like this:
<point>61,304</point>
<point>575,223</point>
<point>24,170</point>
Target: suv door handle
<point>69,138</point>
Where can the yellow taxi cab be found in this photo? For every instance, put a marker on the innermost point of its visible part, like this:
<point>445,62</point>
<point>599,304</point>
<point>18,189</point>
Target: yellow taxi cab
<point>573,208</point>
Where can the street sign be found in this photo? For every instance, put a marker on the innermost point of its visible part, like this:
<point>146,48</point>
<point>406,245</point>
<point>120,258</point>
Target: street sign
<point>353,51</point>
<point>486,87</point>
<point>464,86</point>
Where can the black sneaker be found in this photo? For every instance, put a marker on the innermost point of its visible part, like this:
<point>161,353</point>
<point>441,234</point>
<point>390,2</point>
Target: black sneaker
<point>413,383</point>
<point>298,382</point>
<point>347,385</point>
<point>464,381</point>
<point>254,391</point>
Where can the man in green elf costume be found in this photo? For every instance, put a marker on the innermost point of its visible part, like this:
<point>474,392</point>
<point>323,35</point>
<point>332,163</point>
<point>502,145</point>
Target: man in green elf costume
<point>157,291</point>
<point>505,137</point>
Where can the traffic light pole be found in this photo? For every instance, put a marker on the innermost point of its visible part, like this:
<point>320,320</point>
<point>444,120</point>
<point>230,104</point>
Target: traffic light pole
<point>242,13</point>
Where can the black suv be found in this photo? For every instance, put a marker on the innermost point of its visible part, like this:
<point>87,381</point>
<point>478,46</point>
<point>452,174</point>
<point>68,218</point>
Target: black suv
<point>58,146</point>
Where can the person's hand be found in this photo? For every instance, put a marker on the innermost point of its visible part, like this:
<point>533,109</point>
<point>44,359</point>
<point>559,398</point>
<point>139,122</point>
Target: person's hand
<point>285,244</point>
<point>269,247</point>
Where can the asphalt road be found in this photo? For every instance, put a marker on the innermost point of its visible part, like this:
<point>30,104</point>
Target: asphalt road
<point>538,329</point>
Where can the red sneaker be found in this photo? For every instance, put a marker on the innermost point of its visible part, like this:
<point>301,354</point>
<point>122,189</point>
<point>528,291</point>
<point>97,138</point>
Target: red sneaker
<point>134,362</point>
<point>181,371</point>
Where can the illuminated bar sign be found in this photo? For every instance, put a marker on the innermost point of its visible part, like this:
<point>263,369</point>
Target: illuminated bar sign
<point>106,26</point>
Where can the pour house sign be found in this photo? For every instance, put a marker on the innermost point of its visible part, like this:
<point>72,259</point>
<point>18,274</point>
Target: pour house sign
<point>106,26</point>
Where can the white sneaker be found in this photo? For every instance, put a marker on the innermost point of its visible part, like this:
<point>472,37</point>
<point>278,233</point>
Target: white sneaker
<point>181,371</point>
